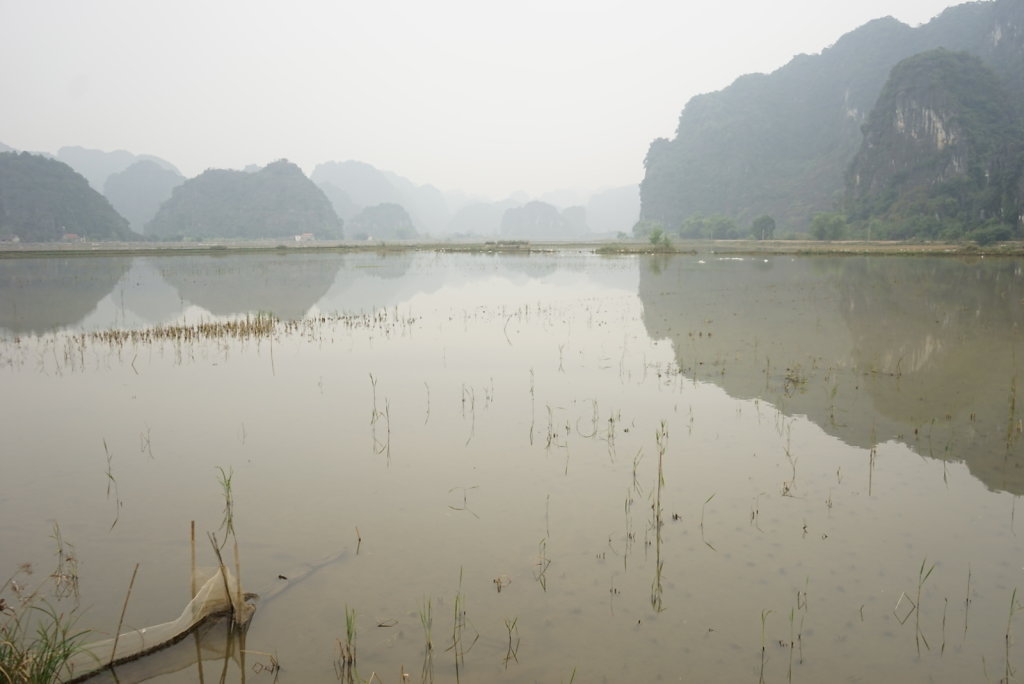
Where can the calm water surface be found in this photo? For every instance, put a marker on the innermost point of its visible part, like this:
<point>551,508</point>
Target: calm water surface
<point>686,468</point>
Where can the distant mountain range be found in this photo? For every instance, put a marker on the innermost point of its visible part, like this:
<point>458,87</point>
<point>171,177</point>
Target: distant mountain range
<point>353,186</point>
<point>892,132</point>
<point>97,166</point>
<point>138,191</point>
<point>156,200</point>
<point>827,133</point>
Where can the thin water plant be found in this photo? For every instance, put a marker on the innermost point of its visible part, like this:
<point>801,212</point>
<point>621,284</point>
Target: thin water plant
<point>227,523</point>
<point>533,406</point>
<point>512,653</point>
<point>967,601</point>
<point>945,608</point>
<point>427,622</point>
<point>657,590</point>
<point>471,393</point>
<point>1011,423</point>
<point>382,446</point>
<point>459,625</point>
<point>465,500</point>
<point>922,577</point>
<point>543,562</point>
<point>65,575</point>
<point>792,641</point>
<point>764,618</point>
<point>704,506</point>
<point>112,485</point>
<point>1009,627</point>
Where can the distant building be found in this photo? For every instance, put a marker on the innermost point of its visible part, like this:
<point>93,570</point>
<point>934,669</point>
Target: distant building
<point>305,237</point>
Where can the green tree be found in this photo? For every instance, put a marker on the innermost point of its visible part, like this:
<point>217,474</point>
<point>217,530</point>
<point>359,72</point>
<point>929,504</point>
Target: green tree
<point>724,228</point>
<point>764,227</point>
<point>659,238</point>
<point>828,225</point>
<point>644,228</point>
<point>695,228</point>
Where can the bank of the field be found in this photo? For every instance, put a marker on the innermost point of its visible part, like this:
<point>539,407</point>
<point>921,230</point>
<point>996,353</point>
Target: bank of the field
<point>738,247</point>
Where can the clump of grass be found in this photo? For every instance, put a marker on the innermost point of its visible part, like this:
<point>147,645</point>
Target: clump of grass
<point>350,633</point>
<point>344,665</point>
<point>36,638</point>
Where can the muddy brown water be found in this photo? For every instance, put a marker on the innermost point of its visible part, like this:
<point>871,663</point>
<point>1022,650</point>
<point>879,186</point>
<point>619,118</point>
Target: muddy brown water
<point>676,468</point>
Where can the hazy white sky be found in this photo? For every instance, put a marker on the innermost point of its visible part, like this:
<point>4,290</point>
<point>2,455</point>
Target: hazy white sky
<point>480,96</point>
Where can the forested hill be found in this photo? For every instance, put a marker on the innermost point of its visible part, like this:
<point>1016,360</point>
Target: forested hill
<point>44,200</point>
<point>781,144</point>
<point>274,202</point>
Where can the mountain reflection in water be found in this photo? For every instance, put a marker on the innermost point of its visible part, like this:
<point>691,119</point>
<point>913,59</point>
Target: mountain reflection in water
<point>38,295</point>
<point>923,351</point>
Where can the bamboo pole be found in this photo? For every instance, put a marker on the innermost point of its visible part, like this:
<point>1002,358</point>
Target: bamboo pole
<point>193,542</point>
<point>124,609</point>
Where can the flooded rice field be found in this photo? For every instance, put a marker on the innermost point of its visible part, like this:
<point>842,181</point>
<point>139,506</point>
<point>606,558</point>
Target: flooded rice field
<point>543,468</point>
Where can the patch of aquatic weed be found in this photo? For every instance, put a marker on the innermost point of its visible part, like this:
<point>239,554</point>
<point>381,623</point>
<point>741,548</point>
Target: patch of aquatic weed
<point>256,326</point>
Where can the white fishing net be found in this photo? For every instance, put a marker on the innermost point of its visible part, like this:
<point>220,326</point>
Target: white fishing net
<point>218,594</point>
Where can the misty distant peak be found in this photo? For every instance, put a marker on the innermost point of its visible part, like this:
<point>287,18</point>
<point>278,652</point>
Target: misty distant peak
<point>98,165</point>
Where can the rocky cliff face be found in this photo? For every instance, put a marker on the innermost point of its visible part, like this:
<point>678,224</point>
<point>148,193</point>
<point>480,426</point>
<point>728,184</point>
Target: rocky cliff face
<point>943,141</point>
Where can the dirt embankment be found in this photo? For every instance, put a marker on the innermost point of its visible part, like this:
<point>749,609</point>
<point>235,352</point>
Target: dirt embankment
<point>14,250</point>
